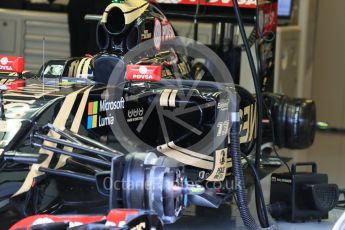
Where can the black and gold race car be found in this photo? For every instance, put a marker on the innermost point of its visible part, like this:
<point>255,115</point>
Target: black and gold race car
<point>144,124</point>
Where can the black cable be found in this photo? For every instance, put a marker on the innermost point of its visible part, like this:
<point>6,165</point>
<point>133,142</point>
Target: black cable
<point>278,156</point>
<point>251,39</point>
<point>258,57</point>
<point>256,83</point>
<point>262,212</point>
<point>259,70</point>
<point>263,218</point>
<point>256,179</point>
<point>196,23</point>
<point>240,188</point>
<point>273,137</point>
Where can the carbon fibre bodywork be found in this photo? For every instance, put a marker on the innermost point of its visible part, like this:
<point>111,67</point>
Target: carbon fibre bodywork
<point>28,190</point>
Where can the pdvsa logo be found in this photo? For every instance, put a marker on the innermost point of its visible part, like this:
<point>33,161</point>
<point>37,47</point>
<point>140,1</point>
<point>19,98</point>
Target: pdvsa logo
<point>143,74</point>
<point>4,64</point>
<point>92,113</point>
<point>4,61</point>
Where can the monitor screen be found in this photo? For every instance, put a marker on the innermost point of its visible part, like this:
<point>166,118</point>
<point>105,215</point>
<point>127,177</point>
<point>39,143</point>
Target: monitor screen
<point>285,8</point>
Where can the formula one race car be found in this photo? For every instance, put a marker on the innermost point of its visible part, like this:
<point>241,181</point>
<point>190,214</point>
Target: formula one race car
<point>141,125</point>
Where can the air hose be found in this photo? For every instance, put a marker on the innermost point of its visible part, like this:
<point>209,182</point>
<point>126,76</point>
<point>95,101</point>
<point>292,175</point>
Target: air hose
<point>240,189</point>
<point>262,212</point>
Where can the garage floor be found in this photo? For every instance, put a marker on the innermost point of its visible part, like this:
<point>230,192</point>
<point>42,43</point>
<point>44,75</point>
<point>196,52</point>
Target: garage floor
<point>328,152</point>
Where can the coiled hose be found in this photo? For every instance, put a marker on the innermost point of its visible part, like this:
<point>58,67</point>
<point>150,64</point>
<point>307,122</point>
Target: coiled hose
<point>240,188</point>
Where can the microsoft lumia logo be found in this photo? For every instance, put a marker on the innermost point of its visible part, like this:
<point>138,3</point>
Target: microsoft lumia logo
<point>92,115</point>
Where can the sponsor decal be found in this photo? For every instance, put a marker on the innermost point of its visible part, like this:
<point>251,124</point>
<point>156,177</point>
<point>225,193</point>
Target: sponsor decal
<point>219,170</point>
<point>163,32</point>
<point>203,175</point>
<point>4,64</point>
<point>92,115</point>
<point>11,64</point>
<point>224,106</point>
<point>4,61</point>
<point>223,128</point>
<point>95,120</point>
<point>135,114</point>
<point>167,32</point>
<point>248,124</point>
<point>157,34</point>
<point>106,106</point>
<point>283,180</point>
<point>144,73</point>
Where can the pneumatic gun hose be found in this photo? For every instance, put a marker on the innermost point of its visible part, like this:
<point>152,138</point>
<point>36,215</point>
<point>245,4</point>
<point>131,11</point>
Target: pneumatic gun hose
<point>240,188</point>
